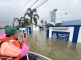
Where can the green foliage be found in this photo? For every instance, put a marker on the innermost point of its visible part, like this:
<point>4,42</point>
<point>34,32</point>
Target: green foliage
<point>6,26</point>
<point>17,27</point>
<point>45,22</point>
<point>49,24</point>
<point>31,13</point>
<point>42,21</point>
<point>23,21</point>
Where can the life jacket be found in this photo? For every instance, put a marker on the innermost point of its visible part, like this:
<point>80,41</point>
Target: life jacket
<point>17,43</point>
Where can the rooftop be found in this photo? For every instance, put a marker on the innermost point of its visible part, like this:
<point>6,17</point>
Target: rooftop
<point>72,22</point>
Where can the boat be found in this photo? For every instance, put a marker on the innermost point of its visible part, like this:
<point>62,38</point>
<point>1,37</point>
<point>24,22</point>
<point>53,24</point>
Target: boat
<point>31,56</point>
<point>41,27</point>
<point>37,56</point>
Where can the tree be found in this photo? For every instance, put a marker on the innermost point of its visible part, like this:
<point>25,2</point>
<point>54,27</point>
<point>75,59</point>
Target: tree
<point>22,22</point>
<point>19,23</point>
<point>49,24</point>
<point>18,20</point>
<point>42,21</point>
<point>13,21</point>
<point>31,13</point>
<point>6,26</point>
<point>25,21</point>
<point>45,22</point>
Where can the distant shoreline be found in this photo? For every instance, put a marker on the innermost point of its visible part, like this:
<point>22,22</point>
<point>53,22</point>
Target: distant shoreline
<point>2,28</point>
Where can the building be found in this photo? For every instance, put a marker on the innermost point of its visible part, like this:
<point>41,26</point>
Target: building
<point>52,16</point>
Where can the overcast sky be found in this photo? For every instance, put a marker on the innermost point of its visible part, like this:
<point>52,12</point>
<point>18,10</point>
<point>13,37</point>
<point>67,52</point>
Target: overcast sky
<point>11,8</point>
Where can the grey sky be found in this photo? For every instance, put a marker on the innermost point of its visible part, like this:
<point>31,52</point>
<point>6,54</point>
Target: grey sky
<point>11,8</point>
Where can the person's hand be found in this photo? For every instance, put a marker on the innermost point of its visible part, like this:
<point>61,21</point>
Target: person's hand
<point>24,39</point>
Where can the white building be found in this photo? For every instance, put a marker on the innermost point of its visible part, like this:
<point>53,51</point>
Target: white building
<point>52,16</point>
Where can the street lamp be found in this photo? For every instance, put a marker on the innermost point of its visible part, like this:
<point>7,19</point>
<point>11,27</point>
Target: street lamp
<point>65,16</point>
<point>55,10</point>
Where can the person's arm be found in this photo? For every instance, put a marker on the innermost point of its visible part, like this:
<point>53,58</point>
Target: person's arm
<point>24,50</point>
<point>23,44</point>
<point>9,49</point>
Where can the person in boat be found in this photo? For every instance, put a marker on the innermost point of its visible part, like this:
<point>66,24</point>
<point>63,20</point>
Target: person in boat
<point>11,47</point>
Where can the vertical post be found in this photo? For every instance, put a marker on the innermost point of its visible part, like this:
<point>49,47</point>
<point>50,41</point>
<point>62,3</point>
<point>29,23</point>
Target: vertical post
<point>65,16</point>
<point>47,31</point>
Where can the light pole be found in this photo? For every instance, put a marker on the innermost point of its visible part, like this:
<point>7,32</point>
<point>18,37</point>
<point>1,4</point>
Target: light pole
<point>22,23</point>
<point>54,15</point>
<point>65,16</point>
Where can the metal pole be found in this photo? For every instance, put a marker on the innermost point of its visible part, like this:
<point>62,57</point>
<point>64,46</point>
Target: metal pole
<point>65,16</point>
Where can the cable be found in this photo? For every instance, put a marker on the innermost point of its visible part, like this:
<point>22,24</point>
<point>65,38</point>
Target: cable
<point>21,14</point>
<point>36,7</point>
<point>41,4</point>
<point>34,3</point>
<point>24,6</point>
<point>29,7</point>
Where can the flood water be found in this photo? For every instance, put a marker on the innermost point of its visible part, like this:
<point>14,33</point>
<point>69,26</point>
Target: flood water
<point>52,48</point>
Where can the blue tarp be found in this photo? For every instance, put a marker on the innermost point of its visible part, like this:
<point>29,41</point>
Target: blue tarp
<point>72,22</point>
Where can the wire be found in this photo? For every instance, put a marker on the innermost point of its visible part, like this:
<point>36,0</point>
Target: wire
<point>34,3</point>
<point>24,6</point>
<point>41,4</point>
<point>29,7</point>
<point>22,13</point>
<point>36,7</point>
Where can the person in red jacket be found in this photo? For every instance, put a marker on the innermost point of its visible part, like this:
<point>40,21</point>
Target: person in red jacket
<point>10,46</point>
